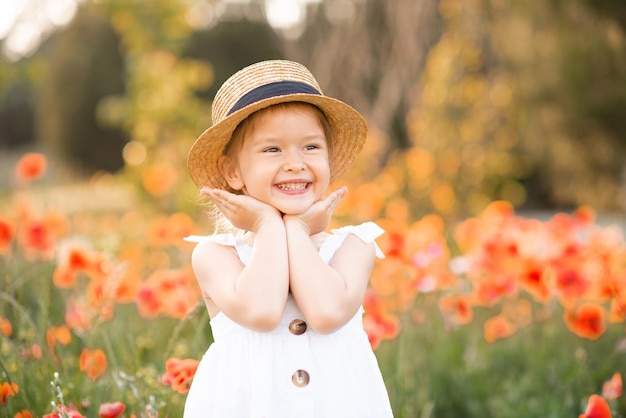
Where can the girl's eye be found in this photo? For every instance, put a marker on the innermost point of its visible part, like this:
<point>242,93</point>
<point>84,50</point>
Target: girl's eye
<point>271,149</point>
<point>311,147</point>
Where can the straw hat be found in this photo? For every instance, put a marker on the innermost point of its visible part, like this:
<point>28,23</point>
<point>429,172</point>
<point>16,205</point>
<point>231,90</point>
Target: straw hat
<point>261,85</point>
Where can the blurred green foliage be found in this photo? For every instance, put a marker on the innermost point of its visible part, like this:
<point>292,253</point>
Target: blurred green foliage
<point>83,65</point>
<point>522,101</point>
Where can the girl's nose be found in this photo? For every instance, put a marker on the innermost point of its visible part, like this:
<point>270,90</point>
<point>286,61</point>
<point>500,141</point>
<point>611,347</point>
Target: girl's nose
<point>294,162</point>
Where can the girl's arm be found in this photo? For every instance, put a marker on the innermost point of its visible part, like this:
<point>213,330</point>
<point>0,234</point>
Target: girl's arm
<point>254,295</point>
<point>327,294</point>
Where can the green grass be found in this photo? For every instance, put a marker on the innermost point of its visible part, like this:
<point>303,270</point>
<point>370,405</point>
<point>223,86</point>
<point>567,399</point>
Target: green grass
<point>541,371</point>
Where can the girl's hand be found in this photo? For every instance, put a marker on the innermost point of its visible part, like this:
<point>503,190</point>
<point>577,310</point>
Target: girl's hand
<point>316,218</point>
<point>244,212</point>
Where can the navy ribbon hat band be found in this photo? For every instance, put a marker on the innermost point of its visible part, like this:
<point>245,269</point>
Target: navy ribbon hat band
<point>280,88</point>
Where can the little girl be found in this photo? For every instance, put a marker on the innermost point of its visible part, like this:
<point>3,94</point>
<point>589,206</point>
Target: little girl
<point>284,296</point>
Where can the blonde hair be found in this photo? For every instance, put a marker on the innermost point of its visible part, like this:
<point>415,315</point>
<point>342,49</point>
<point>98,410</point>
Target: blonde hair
<point>220,222</point>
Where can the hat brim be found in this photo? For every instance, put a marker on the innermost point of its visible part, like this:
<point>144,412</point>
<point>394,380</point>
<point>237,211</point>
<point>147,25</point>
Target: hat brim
<point>348,127</point>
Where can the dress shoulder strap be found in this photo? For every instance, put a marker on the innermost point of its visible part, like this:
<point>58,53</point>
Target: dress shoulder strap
<point>224,239</point>
<point>366,232</point>
<point>243,250</point>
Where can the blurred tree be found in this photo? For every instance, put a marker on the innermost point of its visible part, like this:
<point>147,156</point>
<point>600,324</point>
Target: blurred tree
<point>522,101</point>
<point>517,101</point>
<point>614,10</point>
<point>585,162</point>
<point>231,45</point>
<point>83,66</point>
<point>369,54</point>
<point>160,109</point>
<point>17,114</point>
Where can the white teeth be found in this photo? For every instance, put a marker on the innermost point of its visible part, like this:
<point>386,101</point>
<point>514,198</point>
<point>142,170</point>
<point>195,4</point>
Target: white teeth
<point>292,186</point>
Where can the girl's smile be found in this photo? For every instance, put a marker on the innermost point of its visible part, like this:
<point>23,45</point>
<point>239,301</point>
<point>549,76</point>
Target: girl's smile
<point>294,186</point>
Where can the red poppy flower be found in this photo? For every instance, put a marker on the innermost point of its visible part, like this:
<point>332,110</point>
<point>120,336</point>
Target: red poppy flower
<point>93,362</point>
<point>394,244</point>
<point>562,225</point>
<point>35,350</point>
<point>78,259</point>
<point>6,328</point>
<point>497,328</point>
<point>468,233</point>
<point>171,230</point>
<point>31,166</point>
<point>23,414</point>
<point>64,412</point>
<point>148,302</point>
<point>618,309</point>
<point>612,389</point>
<point>377,322</point>
<point>60,334</point>
<point>179,373</point>
<point>456,310</point>
<point>533,280</point>
<point>179,288</point>
<point>129,281</point>
<point>571,284</point>
<point>159,179</point>
<point>490,290</point>
<point>597,407</point>
<point>585,215</point>
<point>32,352</point>
<point>8,389</point>
<point>79,314</point>
<point>111,410</point>
<point>6,235</point>
<point>36,237</point>
<point>170,292</point>
<point>379,327</point>
<point>588,321</point>
<point>74,259</point>
<point>64,278</point>
<point>497,210</point>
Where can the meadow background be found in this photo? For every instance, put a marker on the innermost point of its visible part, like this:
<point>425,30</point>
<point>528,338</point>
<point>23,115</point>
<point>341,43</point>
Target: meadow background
<point>495,162</point>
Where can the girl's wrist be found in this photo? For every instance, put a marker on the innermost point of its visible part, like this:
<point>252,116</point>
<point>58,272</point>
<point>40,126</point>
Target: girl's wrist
<point>292,221</point>
<point>272,221</point>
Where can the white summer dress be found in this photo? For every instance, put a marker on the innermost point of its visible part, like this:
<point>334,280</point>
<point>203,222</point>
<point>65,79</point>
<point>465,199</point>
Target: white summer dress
<point>292,371</point>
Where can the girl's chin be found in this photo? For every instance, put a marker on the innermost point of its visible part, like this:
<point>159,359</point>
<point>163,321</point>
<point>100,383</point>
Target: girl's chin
<point>292,209</point>
<point>292,205</point>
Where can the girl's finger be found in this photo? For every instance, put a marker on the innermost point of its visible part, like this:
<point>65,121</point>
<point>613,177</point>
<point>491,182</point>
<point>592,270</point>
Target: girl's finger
<point>219,195</point>
<point>335,194</point>
<point>339,194</point>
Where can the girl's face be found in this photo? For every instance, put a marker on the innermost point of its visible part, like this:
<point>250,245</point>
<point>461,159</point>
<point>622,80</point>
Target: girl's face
<point>283,160</point>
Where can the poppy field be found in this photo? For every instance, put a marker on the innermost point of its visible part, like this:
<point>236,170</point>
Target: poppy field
<point>496,315</point>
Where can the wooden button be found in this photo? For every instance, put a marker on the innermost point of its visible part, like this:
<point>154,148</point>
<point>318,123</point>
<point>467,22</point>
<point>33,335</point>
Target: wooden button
<point>300,378</point>
<point>297,327</point>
